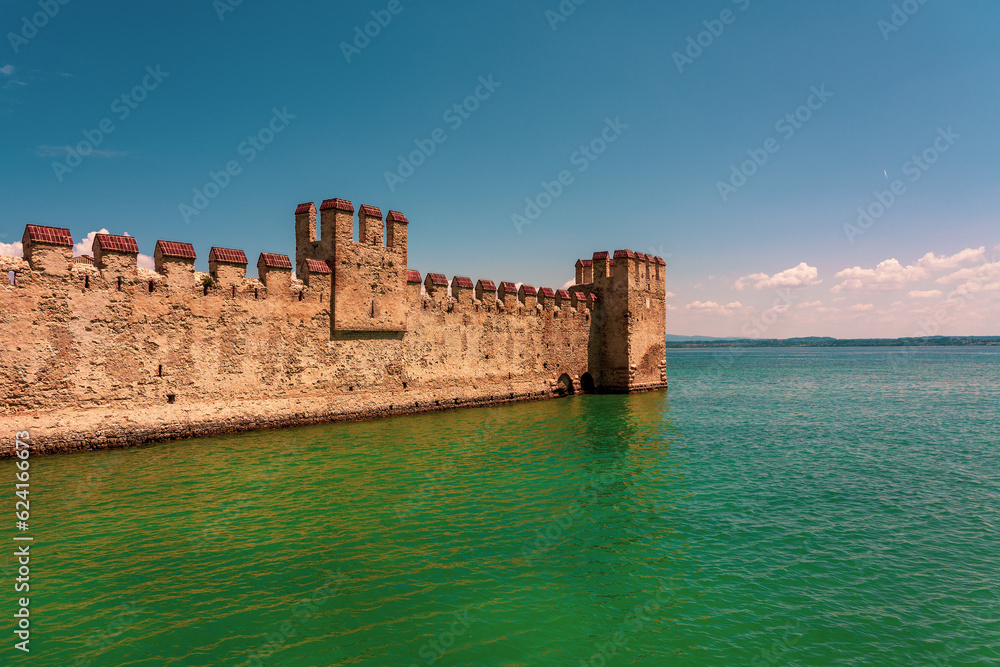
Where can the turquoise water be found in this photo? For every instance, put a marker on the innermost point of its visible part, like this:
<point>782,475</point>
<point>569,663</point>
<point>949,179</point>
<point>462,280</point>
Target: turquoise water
<point>776,507</point>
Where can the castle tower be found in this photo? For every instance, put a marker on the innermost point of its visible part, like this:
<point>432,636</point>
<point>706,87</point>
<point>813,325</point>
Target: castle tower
<point>368,292</point>
<point>627,348</point>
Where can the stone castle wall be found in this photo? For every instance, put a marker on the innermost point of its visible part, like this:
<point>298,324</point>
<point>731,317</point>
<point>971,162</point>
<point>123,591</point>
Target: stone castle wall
<point>111,355</point>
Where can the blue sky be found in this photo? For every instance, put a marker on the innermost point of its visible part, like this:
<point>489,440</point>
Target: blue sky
<point>889,93</point>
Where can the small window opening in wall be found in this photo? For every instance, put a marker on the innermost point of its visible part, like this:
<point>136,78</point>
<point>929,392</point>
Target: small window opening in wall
<point>404,385</point>
<point>119,283</point>
<point>86,282</point>
<point>204,290</point>
<point>350,389</point>
<point>171,398</point>
<point>234,290</point>
<point>372,311</point>
<point>11,277</point>
<point>300,296</point>
<point>151,286</point>
<point>159,371</point>
<point>255,294</point>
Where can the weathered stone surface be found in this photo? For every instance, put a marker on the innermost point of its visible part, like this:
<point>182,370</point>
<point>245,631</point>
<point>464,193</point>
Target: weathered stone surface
<point>85,365</point>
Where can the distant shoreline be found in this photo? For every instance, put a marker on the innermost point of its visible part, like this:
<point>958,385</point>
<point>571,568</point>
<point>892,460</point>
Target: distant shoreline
<point>930,341</point>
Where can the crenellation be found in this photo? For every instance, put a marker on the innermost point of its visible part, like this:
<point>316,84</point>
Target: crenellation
<point>546,298</point>
<point>116,258</point>
<point>175,262</point>
<point>436,289</point>
<point>227,267</point>
<point>47,250</point>
<point>527,296</point>
<point>306,240</point>
<point>507,296</point>
<point>370,226</point>
<point>275,274</point>
<point>354,321</point>
<point>463,291</point>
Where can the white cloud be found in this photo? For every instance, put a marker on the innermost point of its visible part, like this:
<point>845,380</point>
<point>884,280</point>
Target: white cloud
<point>7,70</point>
<point>810,304</point>
<point>967,256</point>
<point>802,275</point>
<point>11,249</point>
<point>980,274</point>
<point>862,307</point>
<point>888,276</point>
<point>713,307</point>
<point>670,295</point>
<point>924,294</point>
<point>972,287</point>
<point>86,246</point>
<point>146,262</point>
<point>569,283</point>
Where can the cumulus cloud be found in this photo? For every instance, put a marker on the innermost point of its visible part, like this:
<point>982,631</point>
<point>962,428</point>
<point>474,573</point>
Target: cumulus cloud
<point>713,307</point>
<point>967,256</point>
<point>670,295</point>
<point>862,307</point>
<point>924,294</point>
<point>569,283</point>
<point>11,250</point>
<point>802,275</point>
<point>888,276</point>
<point>973,287</point>
<point>146,262</point>
<point>7,70</point>
<point>810,304</point>
<point>982,273</point>
<point>86,245</point>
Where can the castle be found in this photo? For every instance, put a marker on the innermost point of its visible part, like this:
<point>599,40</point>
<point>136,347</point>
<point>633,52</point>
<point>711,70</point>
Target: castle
<point>98,353</point>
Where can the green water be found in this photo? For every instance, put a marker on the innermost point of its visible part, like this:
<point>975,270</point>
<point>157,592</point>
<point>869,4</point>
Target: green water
<point>777,507</point>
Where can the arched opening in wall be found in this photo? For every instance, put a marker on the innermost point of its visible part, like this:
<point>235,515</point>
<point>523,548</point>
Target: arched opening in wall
<point>11,277</point>
<point>587,383</point>
<point>565,386</point>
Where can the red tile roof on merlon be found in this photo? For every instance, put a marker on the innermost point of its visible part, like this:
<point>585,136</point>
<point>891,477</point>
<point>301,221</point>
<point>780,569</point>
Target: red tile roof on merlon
<point>273,261</point>
<point>339,204</point>
<point>316,266</point>
<point>176,249</point>
<point>227,256</point>
<point>49,235</point>
<point>112,243</point>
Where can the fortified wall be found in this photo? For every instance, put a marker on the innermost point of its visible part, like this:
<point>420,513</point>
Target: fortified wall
<point>98,353</point>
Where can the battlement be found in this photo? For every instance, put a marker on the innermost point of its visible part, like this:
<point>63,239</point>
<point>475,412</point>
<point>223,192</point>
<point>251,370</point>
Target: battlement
<point>355,301</point>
